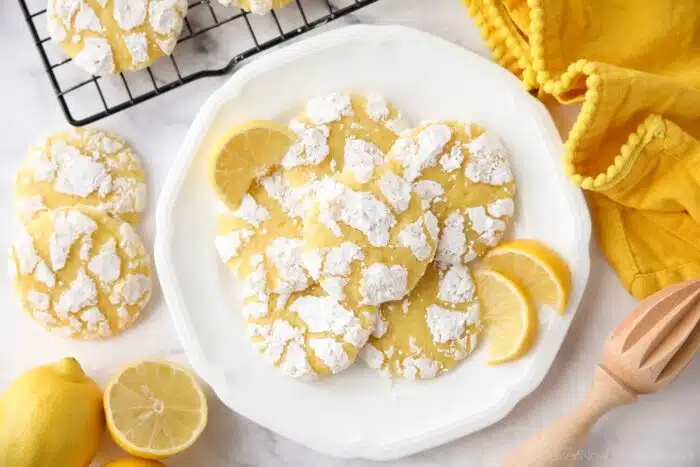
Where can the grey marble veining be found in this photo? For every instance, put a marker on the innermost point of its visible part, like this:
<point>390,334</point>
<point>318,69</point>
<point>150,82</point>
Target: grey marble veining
<point>659,431</point>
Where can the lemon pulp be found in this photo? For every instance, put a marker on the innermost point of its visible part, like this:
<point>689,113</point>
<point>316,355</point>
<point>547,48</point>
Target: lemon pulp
<point>155,409</point>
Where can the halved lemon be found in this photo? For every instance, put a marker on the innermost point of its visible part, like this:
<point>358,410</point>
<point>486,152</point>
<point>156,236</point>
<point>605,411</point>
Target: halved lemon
<point>536,268</point>
<point>247,151</point>
<point>155,409</point>
<point>511,320</point>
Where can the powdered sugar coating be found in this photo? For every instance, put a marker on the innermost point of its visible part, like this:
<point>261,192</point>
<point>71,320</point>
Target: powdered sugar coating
<point>27,256</point>
<point>372,356</point>
<point>419,238</point>
<point>488,162</point>
<point>81,167</point>
<point>452,160</point>
<point>93,287</point>
<point>328,108</point>
<point>252,212</point>
<point>396,190</point>
<point>453,241</point>
<point>489,229</point>
<point>429,191</point>
<point>130,14</point>
<point>338,260</point>
<point>501,208</point>
<point>446,325</point>
<point>456,285</point>
<point>310,148</point>
<point>137,45</point>
<point>106,264</point>
<point>360,210</point>
<point>421,152</point>
<point>69,227</point>
<point>419,368</point>
<point>44,274</point>
<point>381,283</point>
<point>361,158</point>
<point>96,57</point>
<point>87,20</point>
<point>377,107</point>
<point>286,255</point>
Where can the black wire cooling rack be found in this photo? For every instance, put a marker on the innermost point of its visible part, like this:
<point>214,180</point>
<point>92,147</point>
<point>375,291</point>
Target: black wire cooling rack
<point>205,49</point>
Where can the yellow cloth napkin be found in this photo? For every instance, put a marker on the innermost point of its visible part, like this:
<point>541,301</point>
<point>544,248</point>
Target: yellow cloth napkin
<point>635,146</point>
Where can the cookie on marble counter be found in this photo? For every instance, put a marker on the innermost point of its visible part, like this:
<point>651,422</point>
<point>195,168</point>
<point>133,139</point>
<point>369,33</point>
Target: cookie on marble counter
<point>81,273</point>
<point>104,37</point>
<point>81,167</point>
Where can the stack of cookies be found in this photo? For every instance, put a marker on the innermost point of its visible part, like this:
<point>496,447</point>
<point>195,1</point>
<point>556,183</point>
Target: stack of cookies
<point>80,269</point>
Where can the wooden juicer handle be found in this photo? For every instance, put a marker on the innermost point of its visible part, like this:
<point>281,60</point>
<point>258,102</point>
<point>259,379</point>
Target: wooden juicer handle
<point>561,443</point>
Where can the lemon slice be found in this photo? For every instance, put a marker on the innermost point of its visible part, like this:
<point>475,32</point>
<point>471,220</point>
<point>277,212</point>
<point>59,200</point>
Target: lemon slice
<point>247,151</point>
<point>536,268</point>
<point>154,409</point>
<point>510,319</point>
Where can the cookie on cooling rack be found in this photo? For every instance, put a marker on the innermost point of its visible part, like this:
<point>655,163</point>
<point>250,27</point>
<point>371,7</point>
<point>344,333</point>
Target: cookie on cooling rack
<point>104,37</point>
<point>258,7</point>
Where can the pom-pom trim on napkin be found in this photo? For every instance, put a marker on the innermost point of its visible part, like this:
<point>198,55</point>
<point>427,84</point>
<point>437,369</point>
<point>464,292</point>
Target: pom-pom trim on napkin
<point>526,60</point>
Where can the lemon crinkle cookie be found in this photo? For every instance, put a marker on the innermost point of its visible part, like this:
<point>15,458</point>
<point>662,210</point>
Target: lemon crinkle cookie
<point>307,334</point>
<point>81,273</point>
<point>338,130</point>
<point>431,330</point>
<point>258,7</point>
<point>368,243</point>
<point>268,218</point>
<point>464,174</point>
<point>81,167</point>
<point>104,36</point>
<point>266,225</point>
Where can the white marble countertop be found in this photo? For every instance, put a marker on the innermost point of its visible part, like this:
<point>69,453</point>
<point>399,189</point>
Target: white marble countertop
<point>660,430</point>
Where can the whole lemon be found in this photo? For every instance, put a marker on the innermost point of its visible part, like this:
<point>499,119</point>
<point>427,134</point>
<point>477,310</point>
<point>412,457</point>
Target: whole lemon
<point>133,462</point>
<point>51,416</point>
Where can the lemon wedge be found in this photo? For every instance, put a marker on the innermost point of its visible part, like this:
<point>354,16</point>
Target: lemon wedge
<point>247,151</point>
<point>155,409</point>
<point>510,319</point>
<point>536,268</point>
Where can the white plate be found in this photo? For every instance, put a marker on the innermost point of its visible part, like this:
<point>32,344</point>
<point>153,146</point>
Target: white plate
<point>358,413</point>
